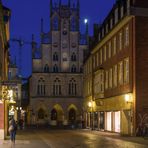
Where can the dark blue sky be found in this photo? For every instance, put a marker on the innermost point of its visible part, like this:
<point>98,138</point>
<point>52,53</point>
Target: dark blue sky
<point>26,16</point>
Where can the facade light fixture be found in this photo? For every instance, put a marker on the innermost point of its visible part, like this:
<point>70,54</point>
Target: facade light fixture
<point>128,98</point>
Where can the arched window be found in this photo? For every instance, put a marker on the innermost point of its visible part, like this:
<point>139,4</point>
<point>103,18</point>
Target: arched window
<point>57,87</point>
<point>73,24</point>
<point>46,68</point>
<point>73,57</point>
<point>72,87</point>
<point>55,56</point>
<point>73,68</point>
<point>41,114</point>
<point>72,115</point>
<point>41,88</point>
<point>53,114</point>
<point>55,68</point>
<point>55,24</point>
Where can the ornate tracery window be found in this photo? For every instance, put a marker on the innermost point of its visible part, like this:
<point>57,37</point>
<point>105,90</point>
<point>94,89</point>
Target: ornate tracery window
<point>72,87</point>
<point>41,88</point>
<point>57,87</point>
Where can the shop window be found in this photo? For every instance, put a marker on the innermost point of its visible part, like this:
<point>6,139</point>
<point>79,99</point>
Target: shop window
<point>108,121</point>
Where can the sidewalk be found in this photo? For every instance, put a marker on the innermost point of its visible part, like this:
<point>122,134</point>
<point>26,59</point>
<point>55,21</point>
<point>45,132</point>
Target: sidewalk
<point>139,140</point>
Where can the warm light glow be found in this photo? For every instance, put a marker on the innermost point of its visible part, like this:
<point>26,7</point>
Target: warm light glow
<point>127,97</point>
<point>20,108</point>
<point>85,21</point>
<point>16,108</point>
<point>10,93</point>
<point>89,104</point>
<point>1,102</point>
<point>12,101</point>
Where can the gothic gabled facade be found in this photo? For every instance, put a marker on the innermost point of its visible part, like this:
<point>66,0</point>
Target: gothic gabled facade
<point>57,68</point>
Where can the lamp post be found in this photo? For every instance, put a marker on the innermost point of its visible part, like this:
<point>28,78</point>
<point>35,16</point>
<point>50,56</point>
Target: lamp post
<point>90,105</point>
<point>128,100</point>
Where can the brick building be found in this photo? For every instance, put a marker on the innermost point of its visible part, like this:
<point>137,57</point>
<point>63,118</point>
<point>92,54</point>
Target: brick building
<point>117,90</point>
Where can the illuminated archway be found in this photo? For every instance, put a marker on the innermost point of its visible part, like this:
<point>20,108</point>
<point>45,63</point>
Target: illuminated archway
<point>57,113</point>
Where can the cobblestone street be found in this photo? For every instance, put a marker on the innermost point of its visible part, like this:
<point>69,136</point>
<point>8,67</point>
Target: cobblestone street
<point>45,138</point>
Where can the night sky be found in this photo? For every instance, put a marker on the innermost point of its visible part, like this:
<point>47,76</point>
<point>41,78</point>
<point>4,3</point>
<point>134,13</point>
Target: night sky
<point>26,17</point>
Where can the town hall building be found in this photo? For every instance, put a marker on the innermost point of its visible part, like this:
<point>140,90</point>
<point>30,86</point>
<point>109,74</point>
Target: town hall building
<point>56,84</point>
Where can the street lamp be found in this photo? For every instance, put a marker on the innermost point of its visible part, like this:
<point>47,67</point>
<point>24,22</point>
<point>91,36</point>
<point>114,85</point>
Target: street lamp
<point>128,99</point>
<point>90,105</point>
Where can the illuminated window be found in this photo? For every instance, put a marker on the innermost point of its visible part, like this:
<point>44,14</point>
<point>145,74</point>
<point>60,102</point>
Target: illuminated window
<point>120,41</point>
<point>106,80</point>
<point>104,53</point>
<point>100,56</point>
<point>127,36</point>
<point>99,82</point>
<point>126,70</point>
<point>110,78</point>
<point>120,73</point>
<point>114,46</point>
<point>109,121</point>
<point>117,121</point>
<point>109,50</point>
<point>115,76</point>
